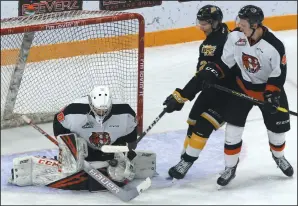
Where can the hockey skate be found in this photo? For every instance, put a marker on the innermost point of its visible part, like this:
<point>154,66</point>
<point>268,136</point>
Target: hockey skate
<point>284,165</point>
<point>180,170</point>
<point>227,175</point>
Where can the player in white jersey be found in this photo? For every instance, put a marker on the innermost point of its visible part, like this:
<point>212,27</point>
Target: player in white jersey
<point>261,72</point>
<point>82,128</point>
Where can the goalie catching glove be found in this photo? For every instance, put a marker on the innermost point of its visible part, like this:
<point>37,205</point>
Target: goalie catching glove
<point>121,168</point>
<point>133,165</point>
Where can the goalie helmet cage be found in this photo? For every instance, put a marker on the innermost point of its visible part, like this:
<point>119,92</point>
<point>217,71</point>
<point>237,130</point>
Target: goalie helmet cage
<point>48,60</point>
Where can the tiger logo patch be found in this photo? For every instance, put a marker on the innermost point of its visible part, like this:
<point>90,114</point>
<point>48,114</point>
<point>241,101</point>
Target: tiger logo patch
<point>99,139</point>
<point>250,63</point>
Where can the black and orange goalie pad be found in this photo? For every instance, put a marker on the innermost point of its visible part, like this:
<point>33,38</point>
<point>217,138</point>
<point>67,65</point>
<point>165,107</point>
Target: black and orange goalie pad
<point>81,181</point>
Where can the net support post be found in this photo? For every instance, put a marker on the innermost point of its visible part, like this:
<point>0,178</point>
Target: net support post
<point>17,75</point>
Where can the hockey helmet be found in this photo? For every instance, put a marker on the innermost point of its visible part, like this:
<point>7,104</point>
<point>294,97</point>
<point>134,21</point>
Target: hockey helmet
<point>100,101</point>
<point>253,14</point>
<point>210,13</point>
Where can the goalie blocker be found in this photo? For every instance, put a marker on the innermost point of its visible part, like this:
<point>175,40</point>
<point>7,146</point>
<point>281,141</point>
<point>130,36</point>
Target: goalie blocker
<point>65,172</point>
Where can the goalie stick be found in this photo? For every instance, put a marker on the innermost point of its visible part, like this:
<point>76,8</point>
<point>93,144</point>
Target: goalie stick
<point>124,195</point>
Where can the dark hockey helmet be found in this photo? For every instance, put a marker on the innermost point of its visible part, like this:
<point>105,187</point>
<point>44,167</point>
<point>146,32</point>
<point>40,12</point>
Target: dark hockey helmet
<point>209,13</point>
<point>253,14</point>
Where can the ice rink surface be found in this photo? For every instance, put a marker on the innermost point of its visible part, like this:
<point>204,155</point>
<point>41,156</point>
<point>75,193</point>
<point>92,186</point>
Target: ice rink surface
<point>258,180</point>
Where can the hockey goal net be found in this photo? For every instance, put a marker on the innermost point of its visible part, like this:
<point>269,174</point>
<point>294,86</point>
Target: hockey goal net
<point>48,60</point>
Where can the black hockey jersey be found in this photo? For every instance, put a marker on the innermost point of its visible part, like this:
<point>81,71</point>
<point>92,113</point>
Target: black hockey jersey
<point>212,47</point>
<point>210,51</point>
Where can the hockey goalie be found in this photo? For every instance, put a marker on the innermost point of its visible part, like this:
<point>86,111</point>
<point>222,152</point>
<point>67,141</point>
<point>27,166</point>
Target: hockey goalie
<point>82,129</point>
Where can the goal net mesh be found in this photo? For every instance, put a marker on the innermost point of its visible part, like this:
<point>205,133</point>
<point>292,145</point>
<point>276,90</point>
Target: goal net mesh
<point>65,61</point>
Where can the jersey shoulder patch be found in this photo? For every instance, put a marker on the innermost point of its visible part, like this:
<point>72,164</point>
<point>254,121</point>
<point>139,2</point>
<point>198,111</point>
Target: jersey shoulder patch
<point>60,116</point>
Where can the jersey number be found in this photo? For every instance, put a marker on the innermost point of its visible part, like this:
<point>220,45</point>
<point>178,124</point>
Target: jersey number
<point>202,65</point>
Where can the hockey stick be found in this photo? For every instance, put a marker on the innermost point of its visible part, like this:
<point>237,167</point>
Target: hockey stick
<point>124,195</point>
<point>249,98</point>
<point>151,125</point>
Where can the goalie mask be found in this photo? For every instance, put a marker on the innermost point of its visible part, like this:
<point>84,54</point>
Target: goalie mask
<point>100,102</point>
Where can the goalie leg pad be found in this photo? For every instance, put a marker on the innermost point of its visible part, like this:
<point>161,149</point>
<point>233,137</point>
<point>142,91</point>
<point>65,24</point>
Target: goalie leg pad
<point>72,153</point>
<point>81,180</point>
<point>34,170</point>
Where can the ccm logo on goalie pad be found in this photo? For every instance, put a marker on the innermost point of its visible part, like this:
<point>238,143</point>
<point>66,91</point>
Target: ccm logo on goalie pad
<point>48,162</point>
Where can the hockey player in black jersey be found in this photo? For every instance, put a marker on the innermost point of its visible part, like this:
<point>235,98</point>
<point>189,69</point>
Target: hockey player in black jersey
<point>81,129</point>
<point>261,65</point>
<point>203,117</point>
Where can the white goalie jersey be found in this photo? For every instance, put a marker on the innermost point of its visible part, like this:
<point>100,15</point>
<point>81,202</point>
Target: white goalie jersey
<point>78,118</point>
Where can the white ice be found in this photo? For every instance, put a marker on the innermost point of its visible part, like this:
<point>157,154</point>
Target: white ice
<point>258,180</point>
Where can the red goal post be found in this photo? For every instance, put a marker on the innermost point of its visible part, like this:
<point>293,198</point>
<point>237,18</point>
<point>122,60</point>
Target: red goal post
<point>48,60</point>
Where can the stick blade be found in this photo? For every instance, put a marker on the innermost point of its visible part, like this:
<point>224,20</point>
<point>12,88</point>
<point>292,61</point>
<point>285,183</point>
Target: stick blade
<point>144,185</point>
<point>135,192</point>
<point>26,119</point>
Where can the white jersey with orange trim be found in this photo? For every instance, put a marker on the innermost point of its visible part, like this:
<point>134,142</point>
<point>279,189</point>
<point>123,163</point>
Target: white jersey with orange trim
<point>262,65</point>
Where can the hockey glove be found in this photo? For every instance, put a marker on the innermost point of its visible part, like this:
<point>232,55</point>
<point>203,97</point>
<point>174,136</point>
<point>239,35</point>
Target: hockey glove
<point>121,168</point>
<point>271,100</point>
<point>174,102</point>
<point>130,155</point>
<point>208,75</point>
